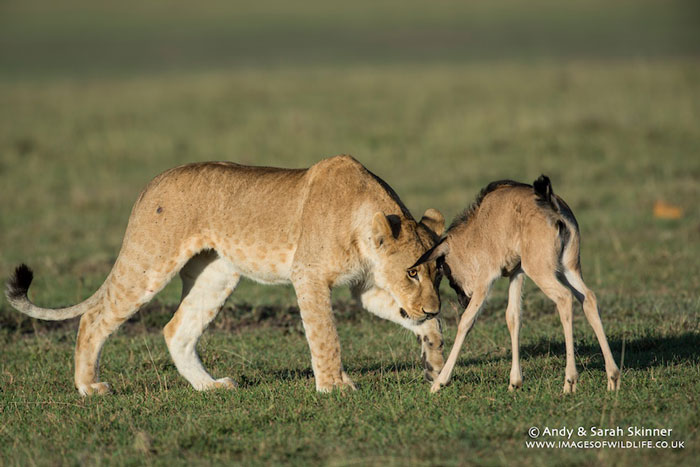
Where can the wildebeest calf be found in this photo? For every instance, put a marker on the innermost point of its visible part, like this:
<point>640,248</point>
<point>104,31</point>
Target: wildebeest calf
<point>514,229</point>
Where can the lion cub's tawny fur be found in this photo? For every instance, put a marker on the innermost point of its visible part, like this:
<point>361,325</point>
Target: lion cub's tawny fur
<point>331,224</point>
<point>514,229</point>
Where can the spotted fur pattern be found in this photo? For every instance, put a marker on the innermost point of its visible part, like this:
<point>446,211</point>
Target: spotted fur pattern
<point>334,223</point>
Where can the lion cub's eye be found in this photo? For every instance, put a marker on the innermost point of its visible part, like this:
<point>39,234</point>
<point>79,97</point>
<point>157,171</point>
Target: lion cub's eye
<point>412,273</point>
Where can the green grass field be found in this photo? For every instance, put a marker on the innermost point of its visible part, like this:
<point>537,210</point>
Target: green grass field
<point>438,102</point>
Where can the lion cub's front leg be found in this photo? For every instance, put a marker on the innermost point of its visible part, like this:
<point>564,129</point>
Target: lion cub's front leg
<point>428,333</point>
<point>315,307</point>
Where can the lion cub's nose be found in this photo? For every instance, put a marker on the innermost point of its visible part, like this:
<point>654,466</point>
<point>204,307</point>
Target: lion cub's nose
<point>430,314</point>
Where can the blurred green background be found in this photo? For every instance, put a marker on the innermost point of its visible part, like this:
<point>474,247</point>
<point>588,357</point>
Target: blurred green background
<point>438,98</point>
<point>78,37</point>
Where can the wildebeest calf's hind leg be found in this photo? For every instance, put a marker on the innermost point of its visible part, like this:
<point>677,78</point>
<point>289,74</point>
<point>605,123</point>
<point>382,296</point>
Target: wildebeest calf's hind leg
<point>547,281</point>
<point>513,314</point>
<point>590,309</point>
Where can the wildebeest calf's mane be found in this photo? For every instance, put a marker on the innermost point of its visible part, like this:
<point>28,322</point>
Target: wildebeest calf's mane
<point>493,186</point>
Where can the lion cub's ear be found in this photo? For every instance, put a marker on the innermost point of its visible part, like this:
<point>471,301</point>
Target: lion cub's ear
<point>435,221</point>
<point>385,228</point>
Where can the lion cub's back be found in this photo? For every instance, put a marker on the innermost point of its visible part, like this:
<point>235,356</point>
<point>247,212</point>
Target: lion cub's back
<point>241,211</point>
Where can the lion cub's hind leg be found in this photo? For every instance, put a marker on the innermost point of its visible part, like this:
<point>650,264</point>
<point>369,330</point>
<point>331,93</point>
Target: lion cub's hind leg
<point>207,280</point>
<point>122,296</point>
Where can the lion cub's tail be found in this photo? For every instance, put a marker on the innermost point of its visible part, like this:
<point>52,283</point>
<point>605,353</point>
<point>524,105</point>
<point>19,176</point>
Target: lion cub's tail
<point>16,293</point>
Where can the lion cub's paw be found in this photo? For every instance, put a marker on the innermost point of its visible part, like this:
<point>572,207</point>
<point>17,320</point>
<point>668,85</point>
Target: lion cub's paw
<point>431,354</point>
<point>342,383</point>
<point>433,363</point>
<point>224,383</point>
<point>94,389</point>
<point>347,382</point>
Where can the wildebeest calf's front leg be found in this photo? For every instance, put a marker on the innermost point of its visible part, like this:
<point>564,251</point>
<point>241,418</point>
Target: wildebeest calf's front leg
<point>466,323</point>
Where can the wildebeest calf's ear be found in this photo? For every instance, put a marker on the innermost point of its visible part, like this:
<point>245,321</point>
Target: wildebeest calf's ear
<point>441,249</point>
<point>434,220</point>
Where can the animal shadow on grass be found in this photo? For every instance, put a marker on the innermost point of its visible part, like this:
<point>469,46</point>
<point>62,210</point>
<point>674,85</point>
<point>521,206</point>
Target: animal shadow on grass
<point>292,374</point>
<point>285,374</point>
<point>640,353</point>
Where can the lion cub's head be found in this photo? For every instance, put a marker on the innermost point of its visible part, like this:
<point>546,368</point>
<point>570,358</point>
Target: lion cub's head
<point>397,244</point>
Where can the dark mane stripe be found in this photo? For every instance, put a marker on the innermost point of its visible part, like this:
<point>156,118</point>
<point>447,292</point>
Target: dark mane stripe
<point>392,194</point>
<point>493,186</point>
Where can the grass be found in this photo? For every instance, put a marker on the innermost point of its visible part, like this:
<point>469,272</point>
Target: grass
<point>615,127</point>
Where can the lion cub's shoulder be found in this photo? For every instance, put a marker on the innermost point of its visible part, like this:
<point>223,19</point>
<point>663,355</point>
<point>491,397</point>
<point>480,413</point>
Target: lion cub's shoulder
<point>342,162</point>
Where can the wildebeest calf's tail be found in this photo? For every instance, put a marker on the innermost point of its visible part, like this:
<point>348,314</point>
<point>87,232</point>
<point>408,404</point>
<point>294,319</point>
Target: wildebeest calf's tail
<point>564,220</point>
<point>545,194</point>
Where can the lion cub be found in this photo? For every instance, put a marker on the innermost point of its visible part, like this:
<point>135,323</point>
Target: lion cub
<point>334,223</point>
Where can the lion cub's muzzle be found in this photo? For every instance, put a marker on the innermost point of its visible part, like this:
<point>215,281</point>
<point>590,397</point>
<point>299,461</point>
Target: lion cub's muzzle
<point>423,316</point>
<point>430,314</point>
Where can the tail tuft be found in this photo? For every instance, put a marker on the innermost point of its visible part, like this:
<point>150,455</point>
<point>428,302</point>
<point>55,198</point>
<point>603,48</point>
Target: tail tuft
<point>543,188</point>
<point>545,195</point>
<point>19,283</point>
